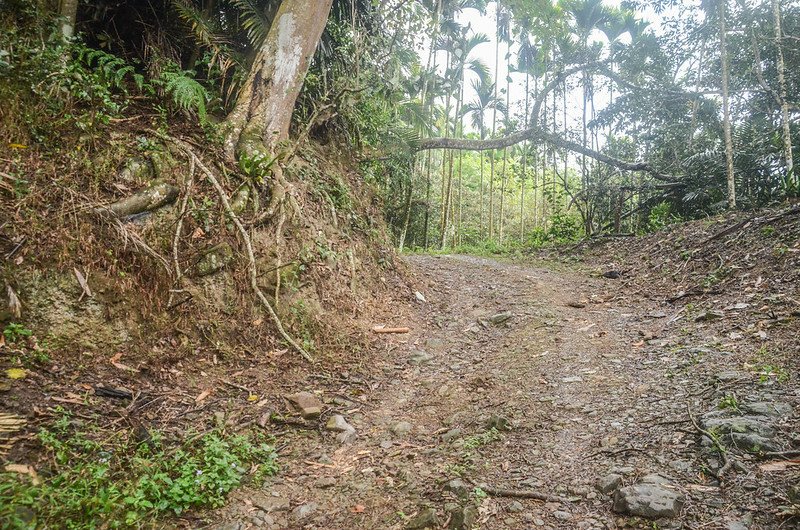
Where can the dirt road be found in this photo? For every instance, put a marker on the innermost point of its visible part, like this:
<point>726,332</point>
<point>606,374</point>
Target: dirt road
<point>514,377</point>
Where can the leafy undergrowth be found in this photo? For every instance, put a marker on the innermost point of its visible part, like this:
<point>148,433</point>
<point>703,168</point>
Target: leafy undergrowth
<point>97,479</point>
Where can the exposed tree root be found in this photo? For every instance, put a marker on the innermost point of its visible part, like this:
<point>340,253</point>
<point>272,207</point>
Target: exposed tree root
<point>253,273</point>
<point>133,237</point>
<point>176,239</point>
<point>727,463</point>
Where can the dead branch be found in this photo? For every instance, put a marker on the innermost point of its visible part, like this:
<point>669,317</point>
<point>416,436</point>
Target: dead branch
<point>378,329</point>
<point>248,247</point>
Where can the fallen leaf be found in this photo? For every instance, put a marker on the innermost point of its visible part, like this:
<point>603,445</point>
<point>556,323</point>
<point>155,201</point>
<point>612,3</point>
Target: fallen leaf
<point>13,302</point>
<point>24,470</point>
<point>257,322</point>
<point>252,397</point>
<point>202,395</point>
<point>778,465</point>
<point>16,373</point>
<point>638,344</point>
<point>84,284</point>
<point>358,508</point>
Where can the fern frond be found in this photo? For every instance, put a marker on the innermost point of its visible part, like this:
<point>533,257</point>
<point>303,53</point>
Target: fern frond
<point>202,29</point>
<point>254,20</point>
<point>187,93</point>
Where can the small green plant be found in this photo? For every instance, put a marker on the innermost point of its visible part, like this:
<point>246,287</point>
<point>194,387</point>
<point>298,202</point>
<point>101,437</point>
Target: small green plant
<point>729,402</point>
<point>257,166</point>
<point>660,216</point>
<point>478,494</point>
<point>95,479</point>
<point>484,438</point>
<point>766,372</point>
<point>768,231</point>
<point>781,250</point>
<point>15,332</point>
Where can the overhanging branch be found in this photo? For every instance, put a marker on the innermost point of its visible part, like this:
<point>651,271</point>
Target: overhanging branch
<point>535,133</point>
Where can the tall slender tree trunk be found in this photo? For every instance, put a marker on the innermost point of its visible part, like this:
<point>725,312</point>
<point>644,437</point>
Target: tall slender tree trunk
<point>726,107</point>
<point>696,100</point>
<point>263,112</point>
<point>459,226</point>
<point>68,9</point>
<point>480,217</point>
<point>407,217</point>
<point>792,178</point>
<point>494,117</point>
<point>525,167</point>
<point>427,199</point>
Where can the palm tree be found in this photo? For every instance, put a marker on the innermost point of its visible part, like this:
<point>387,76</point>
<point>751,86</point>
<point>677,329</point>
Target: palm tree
<point>466,63</point>
<point>478,109</point>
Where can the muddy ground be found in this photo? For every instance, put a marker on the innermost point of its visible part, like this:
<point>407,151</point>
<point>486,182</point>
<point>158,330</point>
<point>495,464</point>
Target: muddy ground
<point>536,379</point>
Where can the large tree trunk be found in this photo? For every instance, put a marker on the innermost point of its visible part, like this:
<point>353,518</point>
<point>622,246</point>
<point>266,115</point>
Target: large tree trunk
<point>792,178</point>
<point>263,111</point>
<point>726,106</point>
<point>68,9</point>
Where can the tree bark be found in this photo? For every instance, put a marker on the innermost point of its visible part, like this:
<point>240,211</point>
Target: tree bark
<point>68,9</point>
<point>263,111</point>
<point>792,178</point>
<point>726,106</point>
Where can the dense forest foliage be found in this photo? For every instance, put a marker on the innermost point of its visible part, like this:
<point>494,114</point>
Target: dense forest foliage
<point>616,125</point>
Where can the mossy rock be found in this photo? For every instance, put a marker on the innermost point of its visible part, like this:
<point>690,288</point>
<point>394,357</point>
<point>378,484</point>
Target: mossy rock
<point>214,260</point>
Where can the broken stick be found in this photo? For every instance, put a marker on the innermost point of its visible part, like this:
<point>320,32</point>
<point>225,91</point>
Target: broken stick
<point>380,329</point>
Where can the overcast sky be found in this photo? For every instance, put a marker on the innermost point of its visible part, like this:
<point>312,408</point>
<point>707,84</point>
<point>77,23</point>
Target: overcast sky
<point>485,23</point>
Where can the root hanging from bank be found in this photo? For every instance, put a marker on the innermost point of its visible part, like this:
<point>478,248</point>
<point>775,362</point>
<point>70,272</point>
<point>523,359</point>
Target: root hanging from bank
<point>253,273</point>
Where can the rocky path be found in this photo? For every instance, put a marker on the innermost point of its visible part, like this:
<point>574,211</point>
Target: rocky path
<point>517,382</point>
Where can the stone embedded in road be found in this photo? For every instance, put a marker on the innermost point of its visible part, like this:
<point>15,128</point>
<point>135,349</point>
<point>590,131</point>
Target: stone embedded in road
<point>500,318</point>
<point>420,357</point>
<point>306,403</point>
<point>572,379</point>
<point>766,408</point>
<point>426,518</point>
<point>609,483</point>
<point>459,487</point>
<point>461,517</point>
<point>347,433</point>
<point>337,423</point>
<point>653,499</point>
<point>303,511</point>
<point>401,428</point>
<point>750,433</point>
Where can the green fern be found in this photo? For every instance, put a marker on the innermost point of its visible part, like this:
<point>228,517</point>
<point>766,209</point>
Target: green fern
<point>254,20</point>
<point>186,92</point>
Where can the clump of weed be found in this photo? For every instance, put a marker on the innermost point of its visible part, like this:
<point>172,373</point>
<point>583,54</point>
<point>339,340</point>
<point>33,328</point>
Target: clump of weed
<point>94,483</point>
